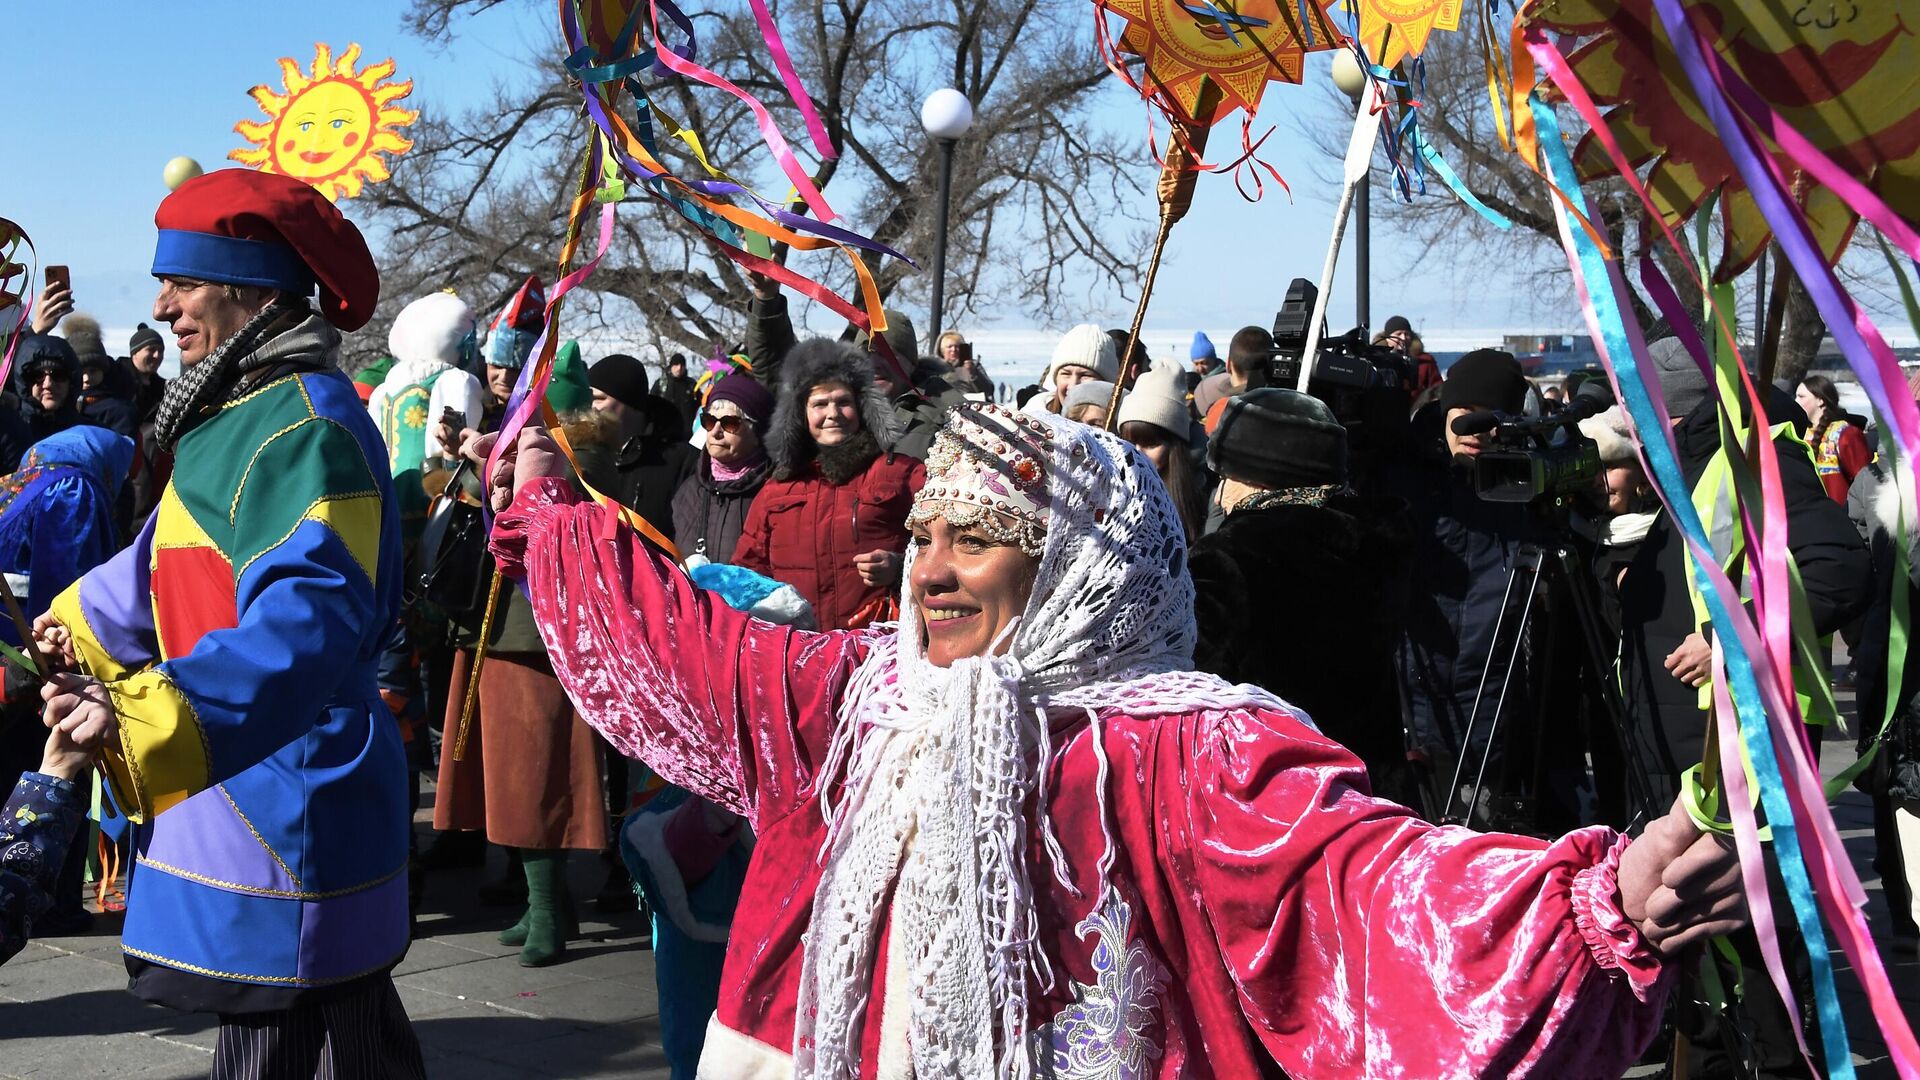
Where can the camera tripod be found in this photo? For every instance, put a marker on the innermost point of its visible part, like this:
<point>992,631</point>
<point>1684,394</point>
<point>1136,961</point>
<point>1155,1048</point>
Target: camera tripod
<point>1569,588</point>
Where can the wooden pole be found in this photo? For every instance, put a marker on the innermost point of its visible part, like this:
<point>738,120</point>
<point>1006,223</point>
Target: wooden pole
<point>1175,192</point>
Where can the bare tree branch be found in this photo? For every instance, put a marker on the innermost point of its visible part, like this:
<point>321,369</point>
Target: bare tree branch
<point>1041,196</point>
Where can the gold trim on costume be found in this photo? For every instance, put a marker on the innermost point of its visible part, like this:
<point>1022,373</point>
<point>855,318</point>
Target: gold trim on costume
<point>284,868</point>
<point>257,890</point>
<point>278,980</point>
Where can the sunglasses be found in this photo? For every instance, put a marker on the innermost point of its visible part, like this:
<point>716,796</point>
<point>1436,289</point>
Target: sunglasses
<point>35,378</point>
<point>729,424</point>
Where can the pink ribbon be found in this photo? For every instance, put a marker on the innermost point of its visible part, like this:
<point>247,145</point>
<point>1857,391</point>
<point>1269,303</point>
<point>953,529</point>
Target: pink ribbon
<point>796,90</point>
<point>769,131</point>
<point>1804,793</point>
<point>539,371</point>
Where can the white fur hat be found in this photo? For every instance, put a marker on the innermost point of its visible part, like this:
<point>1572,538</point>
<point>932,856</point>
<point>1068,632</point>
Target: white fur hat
<point>430,329</point>
<point>1612,432</point>
<point>1085,346</point>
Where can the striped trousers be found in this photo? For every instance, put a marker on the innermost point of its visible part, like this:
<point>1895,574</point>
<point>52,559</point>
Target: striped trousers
<point>365,1034</point>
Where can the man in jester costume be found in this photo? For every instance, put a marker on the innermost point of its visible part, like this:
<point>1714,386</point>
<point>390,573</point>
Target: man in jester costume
<point>224,665</point>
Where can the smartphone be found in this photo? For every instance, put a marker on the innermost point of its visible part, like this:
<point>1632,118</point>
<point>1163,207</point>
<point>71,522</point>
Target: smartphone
<point>58,275</point>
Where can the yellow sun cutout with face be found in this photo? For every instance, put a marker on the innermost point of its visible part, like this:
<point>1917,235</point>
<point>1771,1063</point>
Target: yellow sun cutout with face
<point>329,127</point>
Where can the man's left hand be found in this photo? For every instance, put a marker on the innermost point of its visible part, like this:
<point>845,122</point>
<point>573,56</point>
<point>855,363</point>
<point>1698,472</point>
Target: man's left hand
<point>1692,662</point>
<point>80,706</point>
<point>1679,885</point>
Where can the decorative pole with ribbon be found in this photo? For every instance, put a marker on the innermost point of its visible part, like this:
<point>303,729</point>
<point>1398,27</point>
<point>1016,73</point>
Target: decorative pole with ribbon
<point>1178,173</point>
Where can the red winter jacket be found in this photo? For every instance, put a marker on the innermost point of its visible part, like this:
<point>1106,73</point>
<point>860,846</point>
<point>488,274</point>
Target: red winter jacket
<point>807,531</point>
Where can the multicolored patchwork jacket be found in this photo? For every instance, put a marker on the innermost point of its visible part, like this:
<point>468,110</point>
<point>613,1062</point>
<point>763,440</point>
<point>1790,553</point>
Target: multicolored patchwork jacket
<point>239,637</point>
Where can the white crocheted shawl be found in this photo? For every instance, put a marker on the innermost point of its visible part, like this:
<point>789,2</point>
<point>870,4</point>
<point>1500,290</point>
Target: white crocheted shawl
<point>938,771</point>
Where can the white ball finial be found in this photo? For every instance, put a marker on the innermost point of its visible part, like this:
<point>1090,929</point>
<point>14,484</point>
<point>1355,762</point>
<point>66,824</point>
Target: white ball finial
<point>1348,75</point>
<point>947,114</point>
<point>180,170</point>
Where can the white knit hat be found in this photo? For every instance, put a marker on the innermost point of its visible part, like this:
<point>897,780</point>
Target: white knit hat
<point>1085,346</point>
<point>430,329</point>
<point>1159,398</point>
<point>1092,392</point>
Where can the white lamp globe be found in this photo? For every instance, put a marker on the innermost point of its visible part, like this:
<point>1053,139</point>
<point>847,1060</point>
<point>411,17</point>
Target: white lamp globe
<point>1347,73</point>
<point>947,114</point>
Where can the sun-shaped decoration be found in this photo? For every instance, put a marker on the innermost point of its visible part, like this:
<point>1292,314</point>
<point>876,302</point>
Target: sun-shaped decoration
<point>329,127</point>
<point>1845,74</point>
<point>1392,30</point>
<point>1237,45</point>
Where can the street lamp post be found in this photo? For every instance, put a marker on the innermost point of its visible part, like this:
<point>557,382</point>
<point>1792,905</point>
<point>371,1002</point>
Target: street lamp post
<point>946,114</point>
<point>1352,81</point>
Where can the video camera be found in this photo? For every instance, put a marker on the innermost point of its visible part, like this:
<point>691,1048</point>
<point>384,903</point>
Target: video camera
<point>1368,387</point>
<point>1537,459</point>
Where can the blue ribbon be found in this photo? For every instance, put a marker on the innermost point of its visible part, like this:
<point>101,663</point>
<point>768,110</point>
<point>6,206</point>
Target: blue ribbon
<point>1452,179</point>
<point>1742,683</point>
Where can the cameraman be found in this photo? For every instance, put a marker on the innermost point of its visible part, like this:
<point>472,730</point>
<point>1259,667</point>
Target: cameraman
<point>1466,550</point>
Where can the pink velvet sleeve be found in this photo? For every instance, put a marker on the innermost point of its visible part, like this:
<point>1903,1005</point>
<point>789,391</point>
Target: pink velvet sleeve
<point>730,708</point>
<point>1362,939</point>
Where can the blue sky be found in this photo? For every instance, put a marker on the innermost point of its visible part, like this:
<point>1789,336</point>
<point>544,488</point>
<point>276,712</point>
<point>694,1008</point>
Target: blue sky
<point>98,113</point>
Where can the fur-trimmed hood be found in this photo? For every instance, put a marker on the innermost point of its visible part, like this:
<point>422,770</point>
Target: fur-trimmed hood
<point>807,365</point>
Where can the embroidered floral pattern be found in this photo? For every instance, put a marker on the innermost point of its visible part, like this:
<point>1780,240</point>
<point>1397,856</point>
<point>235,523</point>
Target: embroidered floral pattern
<point>1107,1033</point>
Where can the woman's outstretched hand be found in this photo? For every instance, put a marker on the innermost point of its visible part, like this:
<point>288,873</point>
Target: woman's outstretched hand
<point>1679,885</point>
<point>533,455</point>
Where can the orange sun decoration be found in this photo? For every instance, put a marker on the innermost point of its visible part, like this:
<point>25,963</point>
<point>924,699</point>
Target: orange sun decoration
<point>329,127</point>
<point>1236,45</point>
<point>1844,73</point>
<point>1392,30</point>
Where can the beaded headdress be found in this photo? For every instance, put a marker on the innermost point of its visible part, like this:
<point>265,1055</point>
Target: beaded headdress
<point>988,469</point>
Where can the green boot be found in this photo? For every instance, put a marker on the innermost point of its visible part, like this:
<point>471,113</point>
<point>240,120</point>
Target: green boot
<point>546,922</point>
<point>517,933</point>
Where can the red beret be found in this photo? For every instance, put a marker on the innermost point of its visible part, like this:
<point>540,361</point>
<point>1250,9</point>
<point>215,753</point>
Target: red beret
<point>243,227</point>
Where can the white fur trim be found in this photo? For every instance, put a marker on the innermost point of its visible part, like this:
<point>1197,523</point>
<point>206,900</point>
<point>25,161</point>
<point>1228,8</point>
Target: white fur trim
<point>730,1055</point>
<point>648,834</point>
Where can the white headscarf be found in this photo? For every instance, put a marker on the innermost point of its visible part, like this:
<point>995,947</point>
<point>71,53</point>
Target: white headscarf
<point>941,767</point>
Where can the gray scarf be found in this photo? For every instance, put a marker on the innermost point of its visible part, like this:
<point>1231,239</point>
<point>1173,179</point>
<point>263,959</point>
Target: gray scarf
<point>286,333</point>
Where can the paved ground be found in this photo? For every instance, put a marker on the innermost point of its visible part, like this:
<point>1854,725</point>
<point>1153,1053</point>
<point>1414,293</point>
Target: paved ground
<point>65,1013</point>
<point>480,1016</point>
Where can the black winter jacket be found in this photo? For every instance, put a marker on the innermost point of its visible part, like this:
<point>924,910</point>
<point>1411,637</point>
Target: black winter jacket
<point>1341,572</point>
<point>1465,551</point>
<point>649,469</point>
<point>1656,605</point>
<point>708,515</point>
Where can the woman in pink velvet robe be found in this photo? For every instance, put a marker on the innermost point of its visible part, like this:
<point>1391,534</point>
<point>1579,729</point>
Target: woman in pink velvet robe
<point>1199,883</point>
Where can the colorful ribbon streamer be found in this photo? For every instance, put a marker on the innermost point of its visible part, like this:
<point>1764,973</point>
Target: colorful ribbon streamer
<point>1792,794</point>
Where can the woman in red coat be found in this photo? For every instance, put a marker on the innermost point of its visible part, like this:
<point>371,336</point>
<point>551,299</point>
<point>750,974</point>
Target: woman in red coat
<point>833,520</point>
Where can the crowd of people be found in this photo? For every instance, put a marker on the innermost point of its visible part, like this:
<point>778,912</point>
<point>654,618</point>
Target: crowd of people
<point>1162,722</point>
